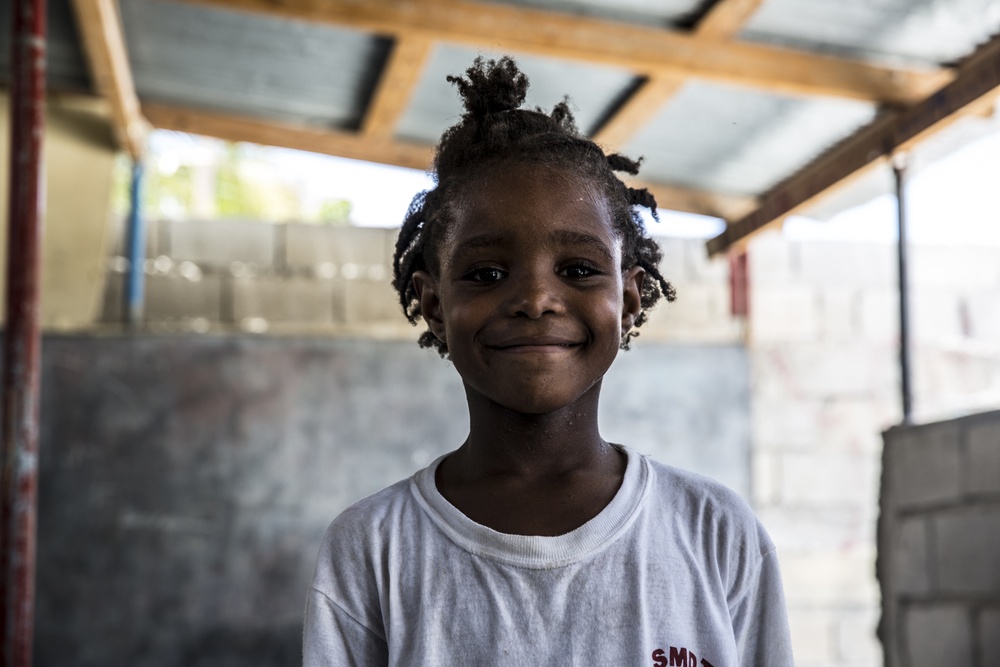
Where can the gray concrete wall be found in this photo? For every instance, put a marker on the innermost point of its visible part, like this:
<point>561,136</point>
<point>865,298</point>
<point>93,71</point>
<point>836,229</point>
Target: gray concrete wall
<point>186,481</point>
<point>939,543</point>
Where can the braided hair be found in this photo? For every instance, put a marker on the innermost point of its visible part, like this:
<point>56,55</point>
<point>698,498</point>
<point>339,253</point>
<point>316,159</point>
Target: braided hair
<point>494,129</point>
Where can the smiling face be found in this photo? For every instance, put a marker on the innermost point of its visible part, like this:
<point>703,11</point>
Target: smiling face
<point>530,295</point>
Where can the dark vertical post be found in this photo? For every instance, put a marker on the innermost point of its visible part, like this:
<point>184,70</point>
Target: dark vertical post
<point>21,344</point>
<point>899,169</point>
<point>136,239</point>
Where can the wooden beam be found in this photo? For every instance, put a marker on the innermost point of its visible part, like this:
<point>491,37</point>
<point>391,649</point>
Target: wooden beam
<point>977,86</point>
<point>724,20</point>
<point>689,200</point>
<point>299,137</point>
<point>645,50</point>
<point>104,45</point>
<point>395,86</point>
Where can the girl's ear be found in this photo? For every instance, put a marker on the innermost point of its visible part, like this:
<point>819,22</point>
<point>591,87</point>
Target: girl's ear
<point>430,303</point>
<point>632,297</point>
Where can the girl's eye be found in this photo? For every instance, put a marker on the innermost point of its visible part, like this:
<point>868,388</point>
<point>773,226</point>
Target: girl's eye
<point>579,271</point>
<point>485,274</point>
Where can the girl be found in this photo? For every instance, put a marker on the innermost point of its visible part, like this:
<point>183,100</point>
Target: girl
<point>537,542</point>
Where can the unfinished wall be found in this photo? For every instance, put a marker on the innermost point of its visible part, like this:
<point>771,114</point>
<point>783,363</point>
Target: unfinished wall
<point>79,154</point>
<point>939,543</point>
<point>823,353</point>
<point>185,481</point>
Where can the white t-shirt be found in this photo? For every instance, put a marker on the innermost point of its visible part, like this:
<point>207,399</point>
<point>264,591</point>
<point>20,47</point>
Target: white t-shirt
<point>675,571</point>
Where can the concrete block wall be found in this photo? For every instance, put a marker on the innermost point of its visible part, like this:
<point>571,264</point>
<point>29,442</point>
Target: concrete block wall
<point>823,345</point>
<point>939,543</point>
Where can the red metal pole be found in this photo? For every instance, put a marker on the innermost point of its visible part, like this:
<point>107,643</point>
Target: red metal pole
<point>22,344</point>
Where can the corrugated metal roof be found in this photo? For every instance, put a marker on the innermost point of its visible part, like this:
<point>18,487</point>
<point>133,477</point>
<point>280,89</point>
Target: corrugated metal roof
<point>740,141</point>
<point>250,64</point>
<point>593,90</point>
<point>644,12</point>
<point>923,31</point>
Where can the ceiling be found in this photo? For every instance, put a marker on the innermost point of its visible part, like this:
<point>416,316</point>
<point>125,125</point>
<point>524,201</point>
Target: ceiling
<point>745,109</point>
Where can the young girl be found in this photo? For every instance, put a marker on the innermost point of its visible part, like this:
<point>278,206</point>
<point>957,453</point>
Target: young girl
<point>537,542</point>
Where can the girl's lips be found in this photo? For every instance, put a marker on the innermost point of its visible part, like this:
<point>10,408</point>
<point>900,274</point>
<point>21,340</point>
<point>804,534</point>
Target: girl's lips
<point>534,344</point>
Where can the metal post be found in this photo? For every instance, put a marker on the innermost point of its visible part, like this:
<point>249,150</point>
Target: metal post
<point>135,278</point>
<point>21,344</point>
<point>899,169</point>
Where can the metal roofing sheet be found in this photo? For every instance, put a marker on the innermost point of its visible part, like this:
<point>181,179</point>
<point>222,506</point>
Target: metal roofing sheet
<point>66,66</point>
<point>251,64</point>
<point>925,31</point>
<point>644,12</point>
<point>593,90</point>
<point>740,141</point>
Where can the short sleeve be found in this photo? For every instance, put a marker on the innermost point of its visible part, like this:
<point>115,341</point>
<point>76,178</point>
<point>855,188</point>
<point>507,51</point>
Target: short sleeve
<point>760,622</point>
<point>331,637</point>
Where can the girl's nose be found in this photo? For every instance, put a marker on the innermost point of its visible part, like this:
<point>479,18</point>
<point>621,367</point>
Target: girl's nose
<point>535,296</point>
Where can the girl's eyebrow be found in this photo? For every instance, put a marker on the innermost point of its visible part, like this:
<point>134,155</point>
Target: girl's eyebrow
<point>481,241</point>
<point>567,237</point>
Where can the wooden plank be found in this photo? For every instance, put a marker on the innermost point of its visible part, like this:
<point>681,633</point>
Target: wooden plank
<point>272,133</point>
<point>645,50</point>
<point>399,77</point>
<point>977,86</point>
<point>689,200</point>
<point>100,26</point>
<point>726,18</point>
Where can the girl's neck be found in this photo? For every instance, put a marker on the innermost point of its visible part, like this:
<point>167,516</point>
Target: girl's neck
<point>503,442</point>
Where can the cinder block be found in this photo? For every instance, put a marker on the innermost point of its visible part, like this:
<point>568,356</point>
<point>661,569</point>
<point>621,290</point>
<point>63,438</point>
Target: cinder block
<point>812,632</point>
<point>674,265</point>
<point>907,564</point>
<point>983,457</point>
<point>857,642</point>
<point>938,634</point>
<point>854,425</point>
<point>839,313</point>
<point>823,479</point>
<point>967,549</point>
<point>935,315</point>
<point>800,530</point>
<point>837,264</point>
<point>984,316</point>
<point>965,267</point>
<point>309,245</point>
<point>879,315</point>
<point>371,301</point>
<point>822,370</point>
<point>788,422</point>
<point>117,231</point>
<point>704,269</point>
<point>764,482</point>
<point>785,313</point>
<point>173,297</point>
<point>220,242</point>
<point>697,305</point>
<point>772,260</point>
<point>284,300</point>
<point>845,576</point>
<point>924,463</point>
<point>989,636</point>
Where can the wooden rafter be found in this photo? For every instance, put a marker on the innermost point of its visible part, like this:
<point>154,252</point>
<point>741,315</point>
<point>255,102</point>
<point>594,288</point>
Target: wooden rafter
<point>388,151</point>
<point>104,44</point>
<point>272,133</point>
<point>399,77</point>
<point>724,20</point>
<point>644,50</point>
<point>976,86</point>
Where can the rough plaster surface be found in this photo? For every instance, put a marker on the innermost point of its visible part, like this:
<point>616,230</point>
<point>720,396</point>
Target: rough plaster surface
<point>186,481</point>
